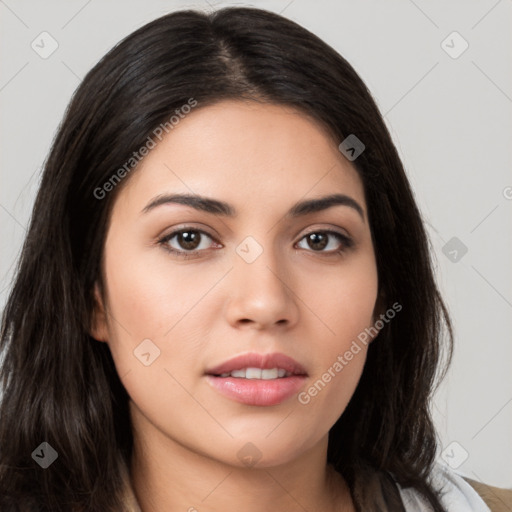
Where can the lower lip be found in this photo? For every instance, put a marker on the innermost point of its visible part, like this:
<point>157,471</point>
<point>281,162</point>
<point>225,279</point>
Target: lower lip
<point>257,391</point>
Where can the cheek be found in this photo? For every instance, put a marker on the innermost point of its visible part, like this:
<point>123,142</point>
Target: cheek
<point>328,393</point>
<point>149,301</point>
<point>345,303</point>
<point>148,296</point>
<point>155,341</point>
<point>344,300</point>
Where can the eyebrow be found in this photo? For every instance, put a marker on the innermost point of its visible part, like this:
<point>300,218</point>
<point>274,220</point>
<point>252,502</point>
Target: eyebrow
<point>221,208</point>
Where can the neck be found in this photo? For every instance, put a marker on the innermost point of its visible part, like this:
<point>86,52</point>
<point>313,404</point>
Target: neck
<point>168,476</point>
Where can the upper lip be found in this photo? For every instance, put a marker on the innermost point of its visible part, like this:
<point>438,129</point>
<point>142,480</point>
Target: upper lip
<point>263,361</point>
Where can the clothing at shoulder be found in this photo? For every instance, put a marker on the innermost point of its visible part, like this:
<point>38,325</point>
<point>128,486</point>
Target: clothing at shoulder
<point>497,498</point>
<point>458,494</point>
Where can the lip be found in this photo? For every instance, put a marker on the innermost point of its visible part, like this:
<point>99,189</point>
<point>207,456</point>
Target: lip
<point>264,361</point>
<point>258,392</point>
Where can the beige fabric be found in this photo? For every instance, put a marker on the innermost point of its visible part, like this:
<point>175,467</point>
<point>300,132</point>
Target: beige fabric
<point>496,498</point>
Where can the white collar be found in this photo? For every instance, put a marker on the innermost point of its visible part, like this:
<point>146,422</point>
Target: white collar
<point>458,495</point>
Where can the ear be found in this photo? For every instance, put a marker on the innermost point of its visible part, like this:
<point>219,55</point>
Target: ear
<point>99,327</point>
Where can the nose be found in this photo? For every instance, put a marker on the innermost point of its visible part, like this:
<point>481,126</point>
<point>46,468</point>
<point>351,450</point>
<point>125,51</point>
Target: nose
<point>261,293</point>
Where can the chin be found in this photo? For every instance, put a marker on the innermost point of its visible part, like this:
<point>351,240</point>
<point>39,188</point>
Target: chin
<point>264,450</point>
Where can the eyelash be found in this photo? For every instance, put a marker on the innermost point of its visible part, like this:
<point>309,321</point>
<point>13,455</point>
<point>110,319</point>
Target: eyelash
<point>347,242</point>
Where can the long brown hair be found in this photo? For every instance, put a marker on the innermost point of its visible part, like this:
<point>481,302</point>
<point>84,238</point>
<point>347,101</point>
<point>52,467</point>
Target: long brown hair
<point>61,387</point>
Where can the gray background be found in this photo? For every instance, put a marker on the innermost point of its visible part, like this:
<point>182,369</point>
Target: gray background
<point>450,119</point>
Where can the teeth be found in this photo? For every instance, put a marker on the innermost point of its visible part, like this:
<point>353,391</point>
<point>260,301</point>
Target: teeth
<point>258,373</point>
<point>269,374</point>
<point>253,373</point>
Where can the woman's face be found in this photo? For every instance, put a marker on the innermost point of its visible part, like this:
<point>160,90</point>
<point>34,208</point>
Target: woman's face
<point>265,279</point>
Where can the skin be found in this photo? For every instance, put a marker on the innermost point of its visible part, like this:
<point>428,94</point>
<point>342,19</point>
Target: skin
<point>294,298</point>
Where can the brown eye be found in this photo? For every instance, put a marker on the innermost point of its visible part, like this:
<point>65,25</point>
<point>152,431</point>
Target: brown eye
<point>188,239</point>
<point>319,240</point>
<point>186,242</point>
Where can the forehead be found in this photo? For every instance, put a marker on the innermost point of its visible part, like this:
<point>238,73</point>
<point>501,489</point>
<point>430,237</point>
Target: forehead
<point>249,154</point>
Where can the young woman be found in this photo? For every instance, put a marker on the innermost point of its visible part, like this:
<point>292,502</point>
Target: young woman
<point>225,299</point>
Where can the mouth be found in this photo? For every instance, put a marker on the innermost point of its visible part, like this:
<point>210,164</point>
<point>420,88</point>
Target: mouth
<point>257,373</point>
<point>258,379</point>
